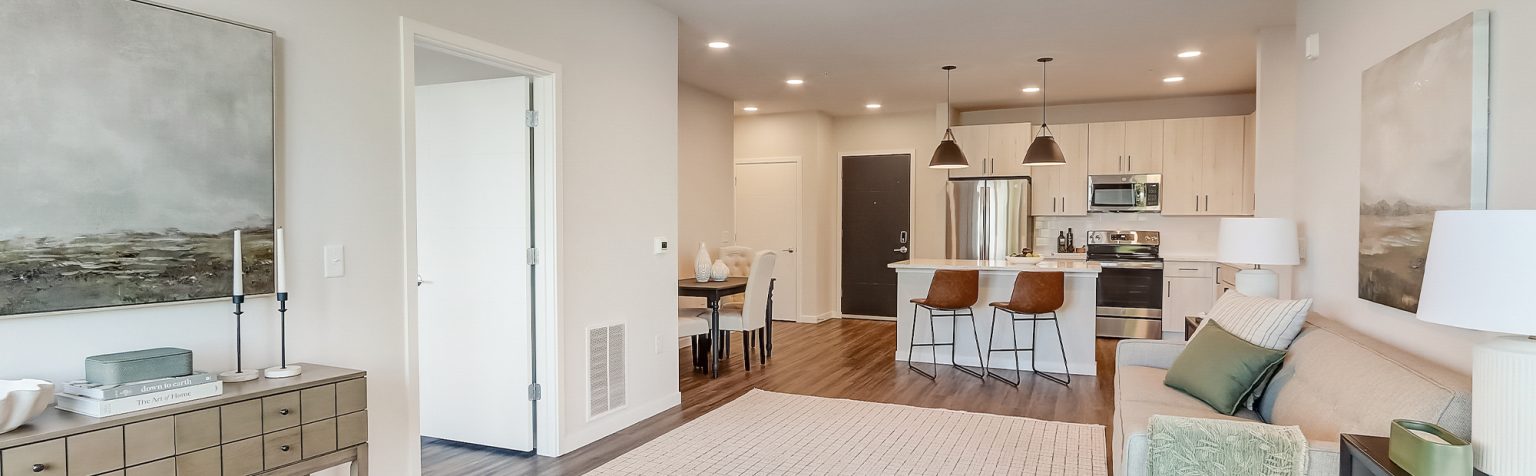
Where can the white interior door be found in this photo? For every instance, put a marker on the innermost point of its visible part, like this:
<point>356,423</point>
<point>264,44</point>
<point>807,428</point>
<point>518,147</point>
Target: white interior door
<point>768,218</point>
<point>473,211</point>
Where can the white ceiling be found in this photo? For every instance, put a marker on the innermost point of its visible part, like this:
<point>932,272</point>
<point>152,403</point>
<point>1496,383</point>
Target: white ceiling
<point>851,52</point>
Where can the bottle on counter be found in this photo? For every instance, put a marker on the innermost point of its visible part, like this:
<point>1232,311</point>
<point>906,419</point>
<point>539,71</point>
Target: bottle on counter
<point>1061,242</point>
<point>1071,242</point>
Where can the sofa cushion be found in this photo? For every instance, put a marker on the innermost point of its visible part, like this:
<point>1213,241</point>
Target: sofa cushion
<point>1222,369</point>
<point>1145,384</point>
<point>1263,321</point>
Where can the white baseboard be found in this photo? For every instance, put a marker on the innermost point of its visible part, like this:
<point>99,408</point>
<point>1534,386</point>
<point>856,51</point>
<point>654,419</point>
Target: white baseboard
<point>609,424</point>
<point>816,318</point>
<point>868,318</point>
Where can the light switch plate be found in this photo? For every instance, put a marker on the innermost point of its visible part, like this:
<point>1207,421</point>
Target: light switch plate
<point>335,261</point>
<point>660,245</point>
<point>1314,47</point>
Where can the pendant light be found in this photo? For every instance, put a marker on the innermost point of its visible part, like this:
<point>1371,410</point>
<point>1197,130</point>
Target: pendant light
<point>1044,150</point>
<point>948,155</point>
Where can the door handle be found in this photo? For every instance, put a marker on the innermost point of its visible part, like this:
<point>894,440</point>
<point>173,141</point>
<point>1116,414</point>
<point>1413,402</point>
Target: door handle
<point>902,249</point>
<point>789,250</point>
<point>420,281</point>
<point>903,237</point>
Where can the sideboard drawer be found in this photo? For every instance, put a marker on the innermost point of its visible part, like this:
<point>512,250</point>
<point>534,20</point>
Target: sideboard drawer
<point>241,420</point>
<point>242,458</point>
<point>319,438</point>
<point>164,467</point>
<point>37,459</point>
<point>95,452</point>
<point>351,396</point>
<point>147,441</point>
<point>197,430</point>
<point>351,429</point>
<point>282,447</point>
<point>280,411</point>
<point>199,462</point>
<point>319,403</point>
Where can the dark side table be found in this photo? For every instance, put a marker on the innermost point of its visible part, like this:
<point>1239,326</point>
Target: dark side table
<point>1361,455</point>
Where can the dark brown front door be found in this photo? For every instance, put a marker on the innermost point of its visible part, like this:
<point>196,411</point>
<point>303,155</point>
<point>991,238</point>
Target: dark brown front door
<point>877,199</point>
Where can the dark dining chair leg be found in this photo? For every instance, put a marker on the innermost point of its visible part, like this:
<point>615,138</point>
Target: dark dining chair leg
<point>714,337</point>
<point>746,349</point>
<point>762,346</point>
<point>693,349</point>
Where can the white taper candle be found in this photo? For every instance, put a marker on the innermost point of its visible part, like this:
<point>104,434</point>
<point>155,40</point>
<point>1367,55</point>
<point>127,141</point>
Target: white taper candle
<point>282,269</point>
<point>239,280</point>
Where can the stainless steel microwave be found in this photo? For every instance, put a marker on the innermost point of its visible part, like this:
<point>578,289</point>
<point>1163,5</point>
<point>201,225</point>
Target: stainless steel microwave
<point>1125,193</point>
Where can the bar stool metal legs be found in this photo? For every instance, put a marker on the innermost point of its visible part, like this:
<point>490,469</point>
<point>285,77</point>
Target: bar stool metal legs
<point>954,330</point>
<point>1034,334</point>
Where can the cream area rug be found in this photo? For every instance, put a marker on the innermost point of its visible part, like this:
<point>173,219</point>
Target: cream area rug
<point>774,433</point>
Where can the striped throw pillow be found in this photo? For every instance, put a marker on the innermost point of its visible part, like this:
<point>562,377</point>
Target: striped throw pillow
<point>1267,322</point>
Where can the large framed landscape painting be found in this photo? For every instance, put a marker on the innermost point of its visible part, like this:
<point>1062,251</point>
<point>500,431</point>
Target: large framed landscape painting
<point>1424,147</point>
<point>134,139</point>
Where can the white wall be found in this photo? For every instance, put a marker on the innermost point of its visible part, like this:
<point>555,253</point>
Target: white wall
<point>807,135</point>
<point>705,128</point>
<point>1170,108</point>
<point>1356,35</point>
<point>341,179</point>
<point>912,132</point>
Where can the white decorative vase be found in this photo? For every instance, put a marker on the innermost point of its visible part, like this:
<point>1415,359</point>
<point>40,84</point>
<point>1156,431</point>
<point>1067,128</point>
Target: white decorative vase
<point>701,264</point>
<point>719,271</point>
<point>22,400</point>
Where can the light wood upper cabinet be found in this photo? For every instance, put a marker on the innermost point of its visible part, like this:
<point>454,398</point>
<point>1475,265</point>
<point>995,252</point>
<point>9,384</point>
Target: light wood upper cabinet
<point>1106,148</point>
<point>1144,147</point>
<point>1009,142</point>
<point>1062,190</point>
<point>1250,157</point>
<point>1204,166</point>
<point>974,141</point>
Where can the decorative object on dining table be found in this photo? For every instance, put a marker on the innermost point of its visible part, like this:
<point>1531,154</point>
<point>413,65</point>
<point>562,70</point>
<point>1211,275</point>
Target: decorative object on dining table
<point>1423,147</point>
<point>239,374</point>
<point>1258,242</point>
<point>702,264</point>
<point>1420,456</point>
<point>1472,285</point>
<point>144,132</point>
<point>282,370</point>
<point>22,400</point>
<point>719,271</point>
<point>138,365</point>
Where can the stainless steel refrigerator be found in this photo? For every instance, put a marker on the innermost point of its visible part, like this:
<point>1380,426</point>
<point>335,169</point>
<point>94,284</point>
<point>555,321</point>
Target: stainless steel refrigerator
<point>987,217</point>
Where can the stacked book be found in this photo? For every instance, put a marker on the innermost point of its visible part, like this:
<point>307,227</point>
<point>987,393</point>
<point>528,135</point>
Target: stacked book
<point>99,401</point>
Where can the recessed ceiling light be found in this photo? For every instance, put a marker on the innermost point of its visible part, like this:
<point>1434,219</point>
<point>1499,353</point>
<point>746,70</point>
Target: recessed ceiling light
<point>1189,54</point>
<point>719,45</point>
<point>872,106</point>
<point>1173,79</point>
<point>795,82</point>
<point>750,109</point>
<point>1031,89</point>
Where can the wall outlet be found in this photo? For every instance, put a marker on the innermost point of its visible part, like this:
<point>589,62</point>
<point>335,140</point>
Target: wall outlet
<point>726,236</point>
<point>658,345</point>
<point>335,261</point>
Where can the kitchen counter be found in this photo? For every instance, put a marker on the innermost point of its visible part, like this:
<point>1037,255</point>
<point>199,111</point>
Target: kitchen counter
<point>1076,317</point>
<point>1065,266</point>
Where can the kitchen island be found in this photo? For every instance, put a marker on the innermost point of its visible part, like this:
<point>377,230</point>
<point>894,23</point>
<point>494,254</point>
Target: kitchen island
<point>1076,316</point>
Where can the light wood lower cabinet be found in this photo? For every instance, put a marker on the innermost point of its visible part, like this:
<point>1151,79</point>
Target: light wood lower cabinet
<point>1188,291</point>
<point>263,427</point>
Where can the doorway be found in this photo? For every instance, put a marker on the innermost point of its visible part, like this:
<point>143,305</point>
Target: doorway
<point>876,218</point>
<point>767,211</point>
<point>478,149</point>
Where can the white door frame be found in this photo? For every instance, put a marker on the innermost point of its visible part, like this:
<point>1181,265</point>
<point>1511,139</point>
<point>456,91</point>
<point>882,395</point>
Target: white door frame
<point>546,78</point>
<point>837,218</point>
<point>799,218</point>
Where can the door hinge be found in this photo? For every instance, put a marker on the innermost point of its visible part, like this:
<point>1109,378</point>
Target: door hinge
<point>535,392</point>
<point>533,119</point>
<point>533,256</point>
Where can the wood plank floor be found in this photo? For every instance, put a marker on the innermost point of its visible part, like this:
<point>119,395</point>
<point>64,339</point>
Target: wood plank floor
<point>839,358</point>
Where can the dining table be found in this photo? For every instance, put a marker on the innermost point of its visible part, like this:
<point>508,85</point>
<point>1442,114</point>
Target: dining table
<point>713,292</point>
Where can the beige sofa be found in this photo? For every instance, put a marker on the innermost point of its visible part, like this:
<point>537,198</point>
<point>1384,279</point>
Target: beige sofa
<point>1333,381</point>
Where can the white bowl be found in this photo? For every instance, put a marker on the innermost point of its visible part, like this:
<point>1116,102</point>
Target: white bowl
<point>1024,259</point>
<point>22,400</point>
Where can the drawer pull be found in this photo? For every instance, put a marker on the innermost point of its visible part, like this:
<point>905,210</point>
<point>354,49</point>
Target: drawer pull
<point>283,412</point>
<point>1189,269</point>
<point>283,448</point>
<point>38,468</point>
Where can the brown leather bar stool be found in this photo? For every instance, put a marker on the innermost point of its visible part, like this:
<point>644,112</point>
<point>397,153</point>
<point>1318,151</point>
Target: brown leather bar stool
<point>1034,294</point>
<point>951,294</point>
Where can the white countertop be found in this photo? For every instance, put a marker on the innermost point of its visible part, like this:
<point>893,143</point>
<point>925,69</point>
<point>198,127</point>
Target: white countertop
<point>1065,266</point>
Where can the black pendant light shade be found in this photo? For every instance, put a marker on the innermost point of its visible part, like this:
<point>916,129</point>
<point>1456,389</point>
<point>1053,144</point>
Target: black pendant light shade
<point>1044,150</point>
<point>948,155</point>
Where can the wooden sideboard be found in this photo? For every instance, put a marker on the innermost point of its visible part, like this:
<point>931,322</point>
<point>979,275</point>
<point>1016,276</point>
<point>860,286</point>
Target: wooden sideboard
<point>291,426</point>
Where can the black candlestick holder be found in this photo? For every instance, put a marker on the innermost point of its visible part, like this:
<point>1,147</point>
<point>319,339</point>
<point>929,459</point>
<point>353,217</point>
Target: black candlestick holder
<point>239,374</point>
<point>283,370</point>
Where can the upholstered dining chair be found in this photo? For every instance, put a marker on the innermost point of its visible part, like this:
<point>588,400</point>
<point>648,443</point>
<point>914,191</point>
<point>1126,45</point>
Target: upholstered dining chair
<point>697,329</point>
<point>751,316</point>
<point>739,260</point>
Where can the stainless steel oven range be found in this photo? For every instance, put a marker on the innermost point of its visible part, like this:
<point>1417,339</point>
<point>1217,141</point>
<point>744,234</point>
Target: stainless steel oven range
<point>1130,294</point>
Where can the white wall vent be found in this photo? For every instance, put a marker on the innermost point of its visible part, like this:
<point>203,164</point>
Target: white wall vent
<point>605,370</point>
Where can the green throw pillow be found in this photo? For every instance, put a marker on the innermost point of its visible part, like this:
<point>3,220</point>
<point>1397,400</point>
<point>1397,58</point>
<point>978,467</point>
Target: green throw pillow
<point>1221,369</point>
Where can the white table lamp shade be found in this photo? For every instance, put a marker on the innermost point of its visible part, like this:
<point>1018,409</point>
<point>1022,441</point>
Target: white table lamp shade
<point>1262,241</point>
<point>1472,284</point>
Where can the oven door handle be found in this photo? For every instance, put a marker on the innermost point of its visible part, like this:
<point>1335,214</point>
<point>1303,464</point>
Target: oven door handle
<point>1126,265</point>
